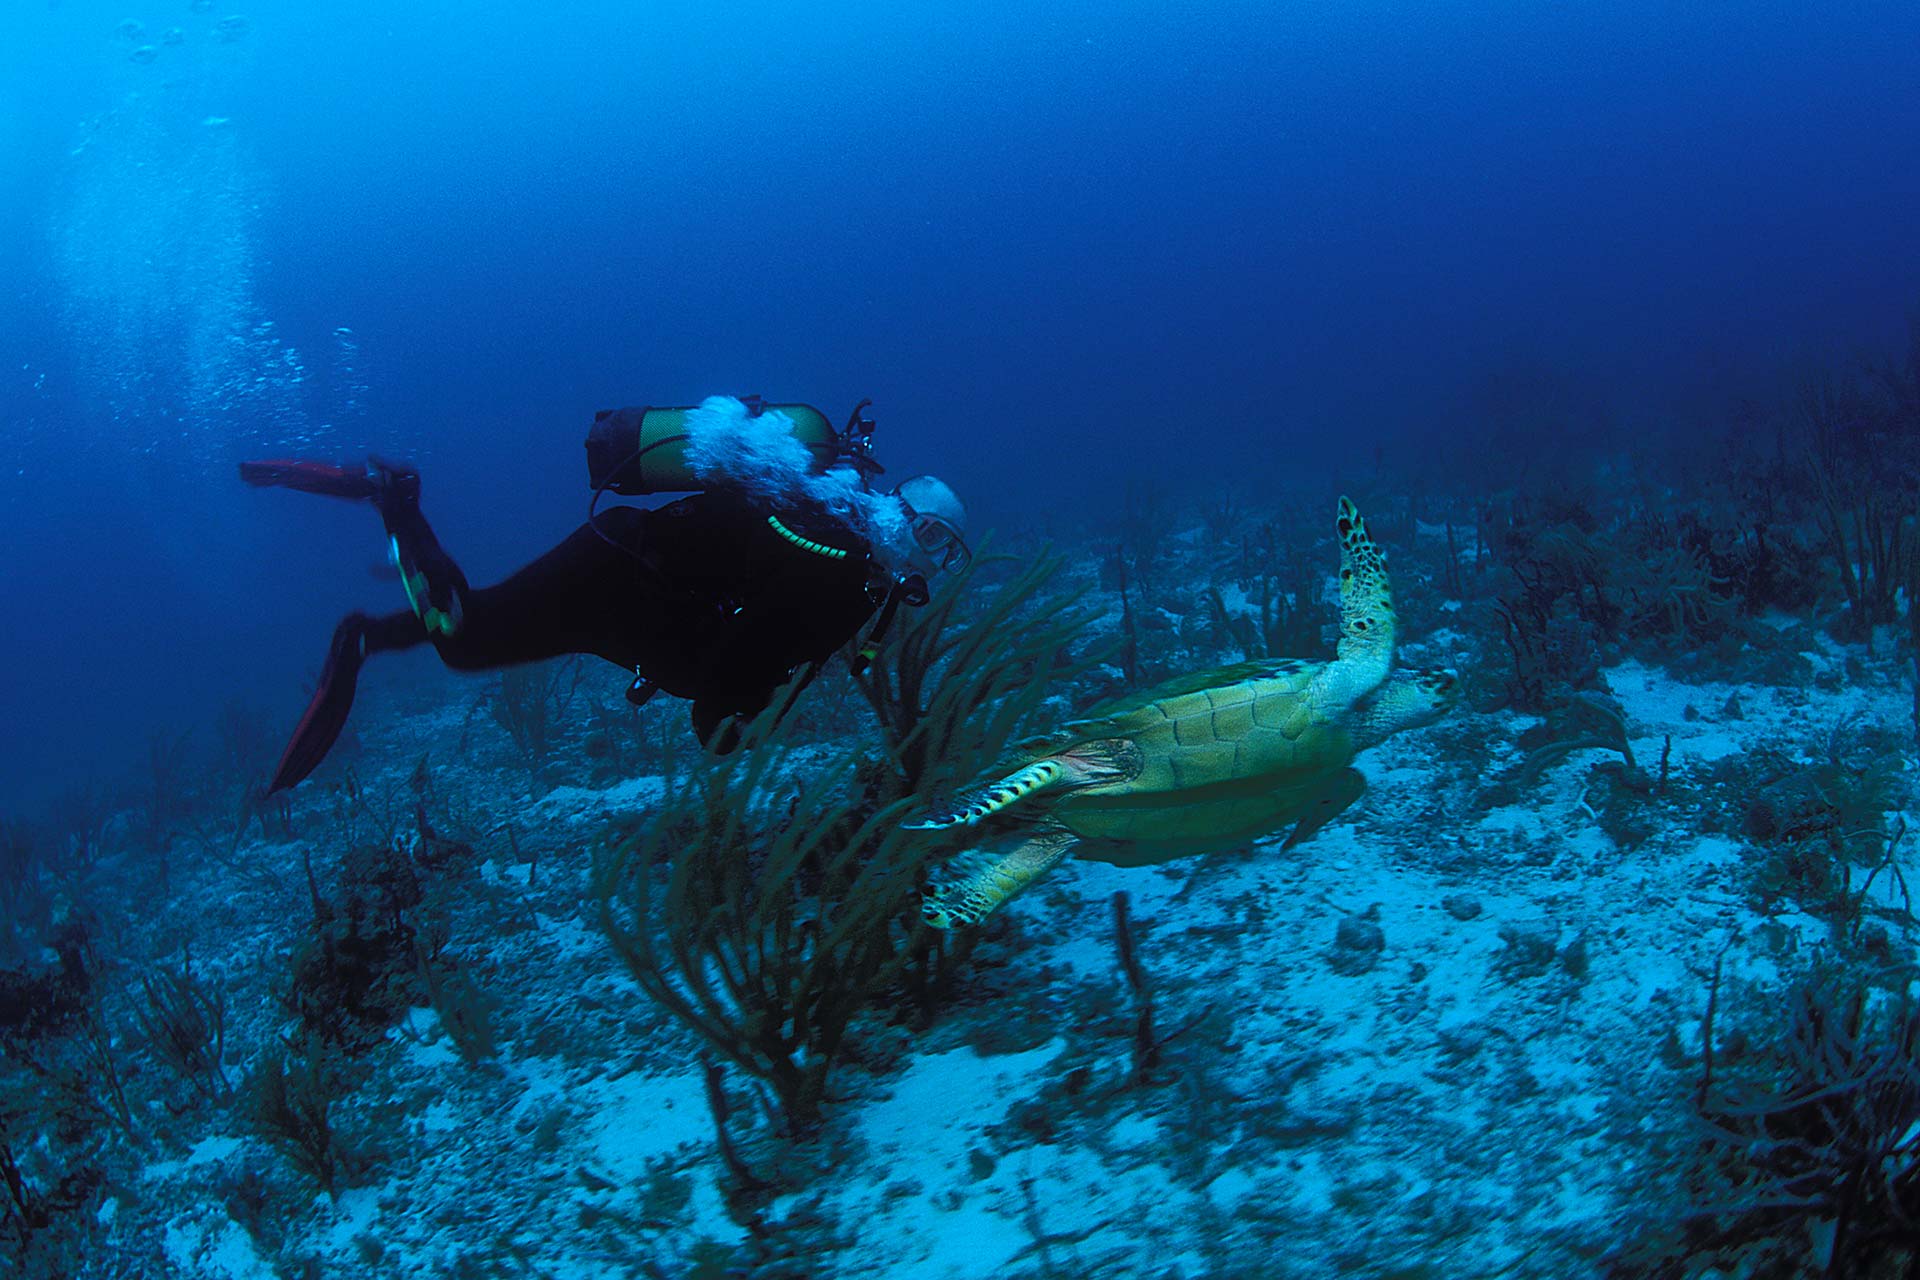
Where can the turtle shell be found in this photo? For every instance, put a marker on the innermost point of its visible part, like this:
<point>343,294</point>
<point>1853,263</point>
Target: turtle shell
<point>1228,753</point>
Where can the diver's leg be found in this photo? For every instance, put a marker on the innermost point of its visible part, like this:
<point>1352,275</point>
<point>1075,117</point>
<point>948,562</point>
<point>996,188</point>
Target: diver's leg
<point>436,588</point>
<point>589,594</point>
<point>434,583</point>
<point>326,715</point>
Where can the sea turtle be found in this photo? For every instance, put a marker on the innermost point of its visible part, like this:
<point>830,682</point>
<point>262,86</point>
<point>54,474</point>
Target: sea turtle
<point>1201,761</point>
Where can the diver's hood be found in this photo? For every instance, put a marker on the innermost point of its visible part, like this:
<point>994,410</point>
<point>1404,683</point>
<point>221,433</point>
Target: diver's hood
<point>931,496</point>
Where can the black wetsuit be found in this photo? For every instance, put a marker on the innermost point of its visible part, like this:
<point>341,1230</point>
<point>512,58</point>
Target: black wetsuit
<point>704,597</point>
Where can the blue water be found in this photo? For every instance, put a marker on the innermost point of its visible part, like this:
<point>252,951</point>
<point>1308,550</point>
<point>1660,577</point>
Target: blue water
<point>1059,245</point>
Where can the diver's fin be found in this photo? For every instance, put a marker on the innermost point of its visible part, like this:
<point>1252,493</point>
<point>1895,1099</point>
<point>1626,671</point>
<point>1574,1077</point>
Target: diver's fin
<point>972,806</point>
<point>310,477</point>
<point>391,486</point>
<point>326,715</point>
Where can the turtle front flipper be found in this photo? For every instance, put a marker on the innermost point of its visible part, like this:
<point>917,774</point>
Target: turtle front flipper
<point>974,804</point>
<point>987,881</point>
<point>1081,765</point>
<point>1364,653</point>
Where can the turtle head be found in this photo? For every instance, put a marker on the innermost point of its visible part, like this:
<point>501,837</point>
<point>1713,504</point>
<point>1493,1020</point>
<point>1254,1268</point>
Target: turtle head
<point>1410,698</point>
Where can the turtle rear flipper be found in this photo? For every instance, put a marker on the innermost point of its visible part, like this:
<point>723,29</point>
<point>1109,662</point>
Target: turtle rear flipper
<point>1330,800</point>
<point>1083,764</point>
<point>988,880</point>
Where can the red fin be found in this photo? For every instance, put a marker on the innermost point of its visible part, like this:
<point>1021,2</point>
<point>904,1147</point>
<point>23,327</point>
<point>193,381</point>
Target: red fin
<point>309,477</point>
<point>326,715</point>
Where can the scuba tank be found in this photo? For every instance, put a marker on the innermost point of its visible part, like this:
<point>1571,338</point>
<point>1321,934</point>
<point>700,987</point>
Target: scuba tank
<point>638,451</point>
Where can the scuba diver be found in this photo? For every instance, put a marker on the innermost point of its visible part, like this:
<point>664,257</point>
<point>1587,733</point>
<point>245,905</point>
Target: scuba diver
<point>721,597</point>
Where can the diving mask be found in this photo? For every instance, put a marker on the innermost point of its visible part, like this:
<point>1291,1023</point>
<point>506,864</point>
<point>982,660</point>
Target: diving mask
<point>938,522</point>
<point>939,541</point>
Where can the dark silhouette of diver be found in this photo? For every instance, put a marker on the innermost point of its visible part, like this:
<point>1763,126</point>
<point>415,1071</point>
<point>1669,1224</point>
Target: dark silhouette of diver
<point>720,597</point>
